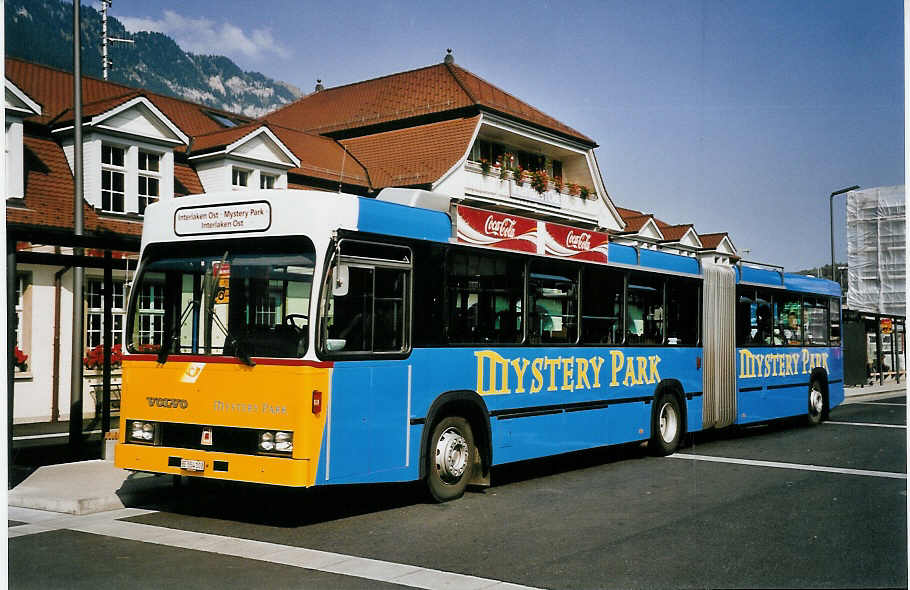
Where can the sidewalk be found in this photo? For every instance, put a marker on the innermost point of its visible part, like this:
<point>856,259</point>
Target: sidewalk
<point>84,487</point>
<point>889,386</point>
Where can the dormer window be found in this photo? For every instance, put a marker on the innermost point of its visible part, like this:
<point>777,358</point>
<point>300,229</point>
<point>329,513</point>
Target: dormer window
<point>149,179</point>
<point>267,180</point>
<point>240,178</point>
<point>113,174</point>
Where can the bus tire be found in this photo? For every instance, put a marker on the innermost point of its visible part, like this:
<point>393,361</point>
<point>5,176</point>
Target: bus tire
<point>816,410</point>
<point>450,458</point>
<point>666,426</point>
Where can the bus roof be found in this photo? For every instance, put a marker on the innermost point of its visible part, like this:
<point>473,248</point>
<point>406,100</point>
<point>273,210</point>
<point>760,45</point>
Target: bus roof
<point>751,275</point>
<point>317,214</point>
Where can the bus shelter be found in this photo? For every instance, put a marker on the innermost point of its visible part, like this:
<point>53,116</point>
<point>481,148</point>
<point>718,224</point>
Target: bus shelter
<point>874,348</point>
<point>64,251</point>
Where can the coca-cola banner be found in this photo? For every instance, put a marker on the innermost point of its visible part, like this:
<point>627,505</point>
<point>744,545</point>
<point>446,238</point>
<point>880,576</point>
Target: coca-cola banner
<point>564,241</point>
<point>499,230</point>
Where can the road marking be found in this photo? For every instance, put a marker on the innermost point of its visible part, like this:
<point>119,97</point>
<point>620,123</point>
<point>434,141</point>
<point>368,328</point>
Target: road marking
<point>51,435</point>
<point>865,424</point>
<point>880,404</point>
<point>796,466</point>
<point>107,524</point>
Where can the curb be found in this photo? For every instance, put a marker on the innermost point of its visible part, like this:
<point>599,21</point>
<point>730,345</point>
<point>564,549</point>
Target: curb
<point>86,487</point>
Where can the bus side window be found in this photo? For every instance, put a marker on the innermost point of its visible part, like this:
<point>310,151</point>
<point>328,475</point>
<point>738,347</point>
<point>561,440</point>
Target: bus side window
<point>745,316</point>
<point>682,312</point>
<point>601,306</point>
<point>371,313</point>
<point>789,311</point>
<point>552,303</point>
<point>485,293</point>
<point>645,309</point>
<point>815,318</point>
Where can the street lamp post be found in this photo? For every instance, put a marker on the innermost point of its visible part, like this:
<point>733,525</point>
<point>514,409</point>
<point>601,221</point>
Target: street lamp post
<point>831,218</point>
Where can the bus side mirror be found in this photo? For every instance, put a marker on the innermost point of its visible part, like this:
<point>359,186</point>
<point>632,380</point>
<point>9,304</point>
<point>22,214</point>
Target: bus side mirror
<point>340,280</point>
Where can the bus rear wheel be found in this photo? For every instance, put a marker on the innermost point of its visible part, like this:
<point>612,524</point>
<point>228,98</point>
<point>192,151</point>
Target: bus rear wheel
<point>666,427</point>
<point>450,458</point>
<point>816,403</point>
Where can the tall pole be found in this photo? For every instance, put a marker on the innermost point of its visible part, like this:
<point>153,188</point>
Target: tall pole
<point>75,434</point>
<point>104,5</point>
<point>831,220</point>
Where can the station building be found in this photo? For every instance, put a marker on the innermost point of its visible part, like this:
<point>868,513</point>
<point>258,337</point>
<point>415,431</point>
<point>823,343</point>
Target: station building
<point>439,128</point>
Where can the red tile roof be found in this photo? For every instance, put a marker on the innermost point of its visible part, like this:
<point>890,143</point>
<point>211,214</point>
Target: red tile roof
<point>635,223</point>
<point>186,181</point>
<point>416,155</point>
<point>49,195</point>
<point>674,233</point>
<point>322,157</point>
<point>712,241</point>
<point>624,213</point>
<point>53,90</point>
<point>431,90</point>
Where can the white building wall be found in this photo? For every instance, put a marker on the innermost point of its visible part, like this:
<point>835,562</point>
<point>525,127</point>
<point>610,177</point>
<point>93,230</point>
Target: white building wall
<point>15,183</point>
<point>214,175</point>
<point>34,388</point>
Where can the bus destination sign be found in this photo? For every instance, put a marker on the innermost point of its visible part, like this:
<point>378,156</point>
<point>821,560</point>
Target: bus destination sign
<point>514,232</point>
<point>223,219</point>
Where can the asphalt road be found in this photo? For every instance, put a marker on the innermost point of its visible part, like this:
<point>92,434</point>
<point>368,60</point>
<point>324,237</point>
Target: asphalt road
<point>779,505</point>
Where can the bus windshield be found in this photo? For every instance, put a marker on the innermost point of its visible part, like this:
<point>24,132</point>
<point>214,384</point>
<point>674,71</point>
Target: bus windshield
<point>230,297</point>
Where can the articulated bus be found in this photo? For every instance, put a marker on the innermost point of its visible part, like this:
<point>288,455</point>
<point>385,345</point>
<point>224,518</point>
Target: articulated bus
<point>300,338</point>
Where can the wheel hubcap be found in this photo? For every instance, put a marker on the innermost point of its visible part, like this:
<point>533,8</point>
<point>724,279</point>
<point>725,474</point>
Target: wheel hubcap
<point>669,422</point>
<point>816,401</point>
<point>451,455</point>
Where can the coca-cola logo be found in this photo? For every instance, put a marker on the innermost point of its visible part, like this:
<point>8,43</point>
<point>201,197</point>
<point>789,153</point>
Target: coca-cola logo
<point>580,241</point>
<point>504,228</point>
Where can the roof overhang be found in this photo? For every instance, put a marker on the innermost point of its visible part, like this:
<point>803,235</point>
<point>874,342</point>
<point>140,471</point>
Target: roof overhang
<point>98,122</point>
<point>230,150</point>
<point>19,103</point>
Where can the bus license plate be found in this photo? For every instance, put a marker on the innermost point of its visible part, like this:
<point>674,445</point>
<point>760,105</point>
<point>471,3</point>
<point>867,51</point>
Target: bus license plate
<point>192,465</point>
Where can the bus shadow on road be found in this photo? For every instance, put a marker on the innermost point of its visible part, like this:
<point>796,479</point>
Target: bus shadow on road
<point>281,507</point>
<point>557,464</point>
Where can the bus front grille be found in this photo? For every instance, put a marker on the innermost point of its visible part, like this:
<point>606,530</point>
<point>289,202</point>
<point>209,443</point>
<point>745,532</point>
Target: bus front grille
<point>225,439</point>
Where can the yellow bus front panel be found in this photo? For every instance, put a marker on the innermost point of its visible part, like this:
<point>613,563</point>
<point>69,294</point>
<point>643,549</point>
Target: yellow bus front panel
<point>218,417</point>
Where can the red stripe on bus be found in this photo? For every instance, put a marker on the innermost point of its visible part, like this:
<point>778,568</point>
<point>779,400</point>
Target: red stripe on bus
<point>192,358</point>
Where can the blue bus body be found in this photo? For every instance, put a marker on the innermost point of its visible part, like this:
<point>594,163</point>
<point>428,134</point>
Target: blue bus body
<point>543,400</point>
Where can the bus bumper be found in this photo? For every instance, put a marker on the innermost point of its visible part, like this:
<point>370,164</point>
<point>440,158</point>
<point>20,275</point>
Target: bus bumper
<point>283,471</point>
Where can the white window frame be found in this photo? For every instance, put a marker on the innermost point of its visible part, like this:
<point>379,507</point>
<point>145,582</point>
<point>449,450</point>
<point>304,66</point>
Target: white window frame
<point>236,174</point>
<point>154,333</point>
<point>144,200</point>
<point>23,341</point>
<point>118,313</point>
<point>112,169</point>
<point>264,180</point>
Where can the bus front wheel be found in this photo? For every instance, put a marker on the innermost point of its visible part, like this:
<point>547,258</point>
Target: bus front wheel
<point>450,458</point>
<point>666,427</point>
<point>816,403</point>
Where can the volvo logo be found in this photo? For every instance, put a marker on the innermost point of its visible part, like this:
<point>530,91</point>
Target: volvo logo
<point>167,402</point>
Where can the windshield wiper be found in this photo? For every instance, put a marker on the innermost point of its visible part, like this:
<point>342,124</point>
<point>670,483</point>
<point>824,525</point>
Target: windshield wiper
<point>239,347</point>
<point>172,335</point>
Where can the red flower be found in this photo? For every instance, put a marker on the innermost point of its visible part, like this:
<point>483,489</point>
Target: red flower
<point>94,358</point>
<point>21,360</point>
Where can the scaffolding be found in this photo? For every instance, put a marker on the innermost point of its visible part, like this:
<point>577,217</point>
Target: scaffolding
<point>875,311</point>
<point>876,251</point>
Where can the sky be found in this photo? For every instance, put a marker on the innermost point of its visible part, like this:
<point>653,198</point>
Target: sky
<point>735,116</point>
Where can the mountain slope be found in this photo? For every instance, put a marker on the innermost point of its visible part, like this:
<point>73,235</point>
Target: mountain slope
<point>41,31</point>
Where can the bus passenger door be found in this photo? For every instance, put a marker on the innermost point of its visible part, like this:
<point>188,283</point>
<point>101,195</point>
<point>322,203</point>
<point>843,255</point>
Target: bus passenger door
<point>364,328</point>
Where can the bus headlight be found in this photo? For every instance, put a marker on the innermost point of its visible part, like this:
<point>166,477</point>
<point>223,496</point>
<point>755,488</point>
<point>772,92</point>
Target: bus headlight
<point>276,442</point>
<point>143,432</point>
